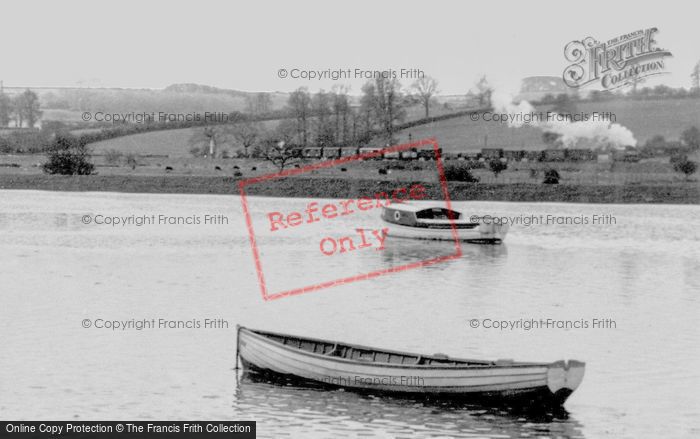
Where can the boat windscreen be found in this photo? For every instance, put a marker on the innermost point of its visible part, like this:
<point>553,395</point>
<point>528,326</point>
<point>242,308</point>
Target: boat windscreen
<point>438,213</point>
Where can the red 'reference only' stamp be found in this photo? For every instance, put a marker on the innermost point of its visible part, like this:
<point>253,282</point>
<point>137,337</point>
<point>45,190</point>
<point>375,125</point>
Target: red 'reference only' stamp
<point>323,213</point>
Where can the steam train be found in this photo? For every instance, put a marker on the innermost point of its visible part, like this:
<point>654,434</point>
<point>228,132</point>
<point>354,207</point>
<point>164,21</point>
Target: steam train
<point>335,153</point>
<point>628,154</point>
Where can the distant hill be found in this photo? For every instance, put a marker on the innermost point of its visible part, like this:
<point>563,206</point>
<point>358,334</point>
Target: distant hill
<point>67,104</point>
<point>278,99</point>
<point>202,89</point>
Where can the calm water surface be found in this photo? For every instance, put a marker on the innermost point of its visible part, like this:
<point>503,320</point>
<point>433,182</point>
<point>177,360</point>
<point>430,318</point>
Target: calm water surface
<point>642,272</point>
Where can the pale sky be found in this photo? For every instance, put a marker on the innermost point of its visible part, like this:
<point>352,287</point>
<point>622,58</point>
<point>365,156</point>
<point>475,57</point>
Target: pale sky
<point>151,44</point>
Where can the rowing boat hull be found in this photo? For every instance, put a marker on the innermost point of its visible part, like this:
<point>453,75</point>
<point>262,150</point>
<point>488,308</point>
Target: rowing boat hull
<point>553,381</point>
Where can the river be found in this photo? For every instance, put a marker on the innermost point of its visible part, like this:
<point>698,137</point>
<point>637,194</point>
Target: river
<point>637,276</point>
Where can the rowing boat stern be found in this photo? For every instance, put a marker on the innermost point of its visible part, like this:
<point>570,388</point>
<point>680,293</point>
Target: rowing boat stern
<point>564,377</point>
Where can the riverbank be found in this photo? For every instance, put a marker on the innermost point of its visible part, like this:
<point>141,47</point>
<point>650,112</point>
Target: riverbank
<point>327,187</point>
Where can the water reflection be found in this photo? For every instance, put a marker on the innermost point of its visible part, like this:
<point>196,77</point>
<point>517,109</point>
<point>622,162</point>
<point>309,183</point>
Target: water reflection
<point>283,406</point>
<point>405,251</point>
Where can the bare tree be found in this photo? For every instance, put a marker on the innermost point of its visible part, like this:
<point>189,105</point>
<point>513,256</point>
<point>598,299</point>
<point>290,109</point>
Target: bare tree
<point>281,153</point>
<point>300,104</point>
<point>425,88</point>
<point>208,141</point>
<point>281,145</point>
<point>246,134</point>
<point>321,105</point>
<point>388,106</point>
<point>695,77</point>
<point>6,109</point>
<point>367,113</point>
<point>285,131</point>
<point>260,103</point>
<point>341,110</point>
<point>354,122</point>
<point>26,107</point>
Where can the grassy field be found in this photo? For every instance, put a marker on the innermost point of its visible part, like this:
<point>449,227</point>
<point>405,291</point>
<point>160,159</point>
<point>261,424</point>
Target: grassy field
<point>173,143</point>
<point>176,143</point>
<point>656,171</point>
<point>644,118</point>
<point>651,181</point>
<point>326,187</point>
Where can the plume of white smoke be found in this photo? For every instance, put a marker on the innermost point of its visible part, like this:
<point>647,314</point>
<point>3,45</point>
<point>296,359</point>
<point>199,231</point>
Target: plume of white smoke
<point>597,133</point>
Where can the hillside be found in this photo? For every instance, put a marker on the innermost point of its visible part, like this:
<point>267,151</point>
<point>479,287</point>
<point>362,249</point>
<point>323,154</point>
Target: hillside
<point>66,104</point>
<point>645,118</point>
<point>667,117</point>
<point>176,143</point>
<point>172,143</point>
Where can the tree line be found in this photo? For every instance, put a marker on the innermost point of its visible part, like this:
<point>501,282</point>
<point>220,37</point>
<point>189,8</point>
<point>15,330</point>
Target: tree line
<point>326,119</point>
<point>329,119</point>
<point>23,109</point>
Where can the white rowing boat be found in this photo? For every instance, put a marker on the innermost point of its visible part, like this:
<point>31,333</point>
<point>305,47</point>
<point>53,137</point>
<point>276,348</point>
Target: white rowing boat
<point>364,368</point>
<point>406,220</point>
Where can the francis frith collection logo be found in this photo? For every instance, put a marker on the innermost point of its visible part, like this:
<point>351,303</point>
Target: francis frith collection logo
<point>615,63</point>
